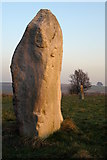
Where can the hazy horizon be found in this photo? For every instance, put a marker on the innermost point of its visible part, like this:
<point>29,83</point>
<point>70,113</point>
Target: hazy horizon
<point>83,27</point>
<point>61,83</point>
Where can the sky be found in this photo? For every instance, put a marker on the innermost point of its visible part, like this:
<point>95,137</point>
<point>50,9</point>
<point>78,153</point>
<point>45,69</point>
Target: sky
<point>83,27</point>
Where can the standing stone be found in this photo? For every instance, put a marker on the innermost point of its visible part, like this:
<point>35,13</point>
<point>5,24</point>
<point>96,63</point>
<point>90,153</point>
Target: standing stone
<point>82,92</point>
<point>35,68</point>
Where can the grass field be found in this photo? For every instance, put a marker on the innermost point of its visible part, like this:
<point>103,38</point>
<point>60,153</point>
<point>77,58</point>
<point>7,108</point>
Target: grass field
<point>82,134</point>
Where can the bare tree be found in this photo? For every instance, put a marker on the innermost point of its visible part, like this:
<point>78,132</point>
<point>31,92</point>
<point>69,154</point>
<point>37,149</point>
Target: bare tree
<point>77,79</point>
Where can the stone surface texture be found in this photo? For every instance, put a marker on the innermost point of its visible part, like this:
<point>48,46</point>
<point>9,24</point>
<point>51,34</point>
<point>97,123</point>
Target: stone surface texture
<point>35,68</point>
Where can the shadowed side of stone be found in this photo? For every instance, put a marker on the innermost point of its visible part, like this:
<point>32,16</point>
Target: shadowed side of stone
<point>35,68</point>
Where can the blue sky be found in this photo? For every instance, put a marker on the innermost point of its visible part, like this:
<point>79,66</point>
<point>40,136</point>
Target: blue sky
<point>83,26</point>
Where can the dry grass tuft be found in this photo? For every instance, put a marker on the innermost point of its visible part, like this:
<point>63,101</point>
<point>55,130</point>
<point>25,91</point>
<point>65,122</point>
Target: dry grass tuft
<point>82,110</point>
<point>82,154</point>
<point>69,125</point>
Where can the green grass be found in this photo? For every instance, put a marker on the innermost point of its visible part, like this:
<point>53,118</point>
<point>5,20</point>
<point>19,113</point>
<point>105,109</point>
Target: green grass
<point>87,141</point>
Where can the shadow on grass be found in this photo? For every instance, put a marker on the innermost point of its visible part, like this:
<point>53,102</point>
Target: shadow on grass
<point>62,144</point>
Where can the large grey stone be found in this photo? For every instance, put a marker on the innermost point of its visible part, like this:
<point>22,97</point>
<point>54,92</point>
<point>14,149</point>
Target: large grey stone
<point>35,68</point>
